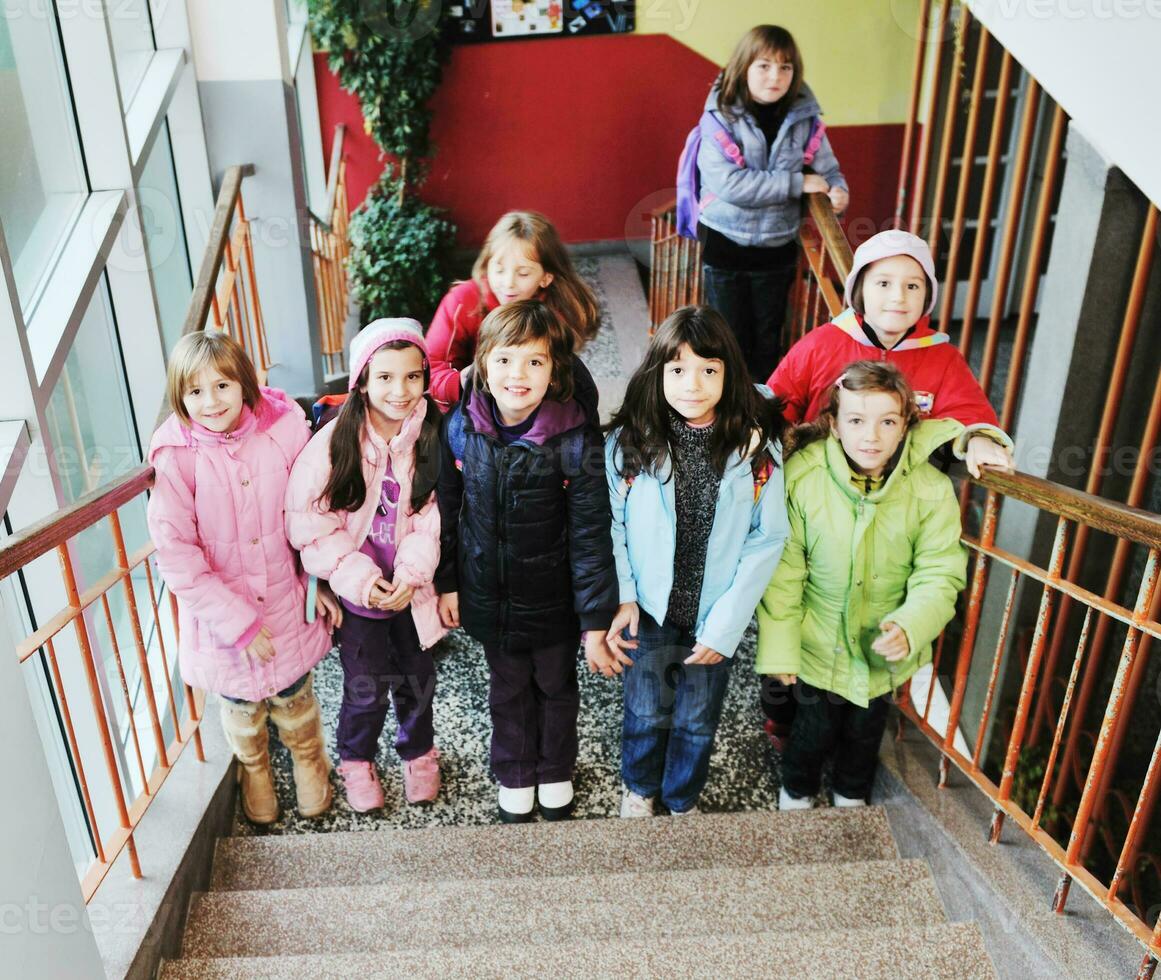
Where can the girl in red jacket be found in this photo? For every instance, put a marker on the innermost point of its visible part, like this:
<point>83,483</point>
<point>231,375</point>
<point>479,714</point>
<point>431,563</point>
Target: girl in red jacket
<point>890,293</point>
<point>522,258</point>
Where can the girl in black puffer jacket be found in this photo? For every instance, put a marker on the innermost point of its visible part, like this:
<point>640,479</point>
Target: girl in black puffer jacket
<point>526,553</point>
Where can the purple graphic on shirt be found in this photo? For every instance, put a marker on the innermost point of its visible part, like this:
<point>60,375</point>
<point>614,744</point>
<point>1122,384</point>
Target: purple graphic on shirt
<point>380,543</point>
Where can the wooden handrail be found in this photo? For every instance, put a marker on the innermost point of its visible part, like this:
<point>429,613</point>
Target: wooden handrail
<point>833,239</point>
<point>203,294</point>
<point>58,527</point>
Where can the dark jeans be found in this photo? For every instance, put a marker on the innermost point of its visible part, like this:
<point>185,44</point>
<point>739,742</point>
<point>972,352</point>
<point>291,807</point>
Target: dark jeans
<point>754,305</point>
<point>778,704</point>
<point>382,661</point>
<point>534,699</point>
<point>284,693</point>
<point>671,716</point>
<point>824,723</point>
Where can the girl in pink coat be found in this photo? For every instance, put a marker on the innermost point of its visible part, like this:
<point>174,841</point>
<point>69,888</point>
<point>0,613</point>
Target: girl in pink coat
<point>222,461</point>
<point>360,509</point>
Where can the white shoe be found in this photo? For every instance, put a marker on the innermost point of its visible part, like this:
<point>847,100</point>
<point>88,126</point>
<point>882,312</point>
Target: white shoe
<point>516,804</point>
<point>840,800</point>
<point>788,802</point>
<point>633,805</point>
<point>555,800</point>
<point>684,813</point>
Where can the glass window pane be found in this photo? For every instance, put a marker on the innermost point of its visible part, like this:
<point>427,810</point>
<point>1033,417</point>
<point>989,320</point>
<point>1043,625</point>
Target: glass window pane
<point>310,133</point>
<point>133,45</point>
<point>295,11</point>
<point>161,220</point>
<point>42,180</point>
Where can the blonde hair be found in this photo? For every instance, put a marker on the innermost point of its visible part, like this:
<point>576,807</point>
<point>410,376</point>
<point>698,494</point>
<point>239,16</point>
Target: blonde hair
<point>568,296</point>
<point>859,376</point>
<point>734,88</point>
<point>523,322</point>
<point>203,349</point>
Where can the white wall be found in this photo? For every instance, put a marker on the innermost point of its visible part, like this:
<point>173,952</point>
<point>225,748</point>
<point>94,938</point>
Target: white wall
<point>1101,61</point>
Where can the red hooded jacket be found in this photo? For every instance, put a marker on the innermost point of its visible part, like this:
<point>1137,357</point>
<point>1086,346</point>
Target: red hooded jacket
<point>451,338</point>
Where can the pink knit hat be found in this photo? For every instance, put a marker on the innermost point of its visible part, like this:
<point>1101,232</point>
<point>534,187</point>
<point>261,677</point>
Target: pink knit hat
<point>377,333</point>
<point>889,243</point>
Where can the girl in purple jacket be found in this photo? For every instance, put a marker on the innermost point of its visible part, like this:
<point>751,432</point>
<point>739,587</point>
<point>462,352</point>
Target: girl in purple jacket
<point>222,461</point>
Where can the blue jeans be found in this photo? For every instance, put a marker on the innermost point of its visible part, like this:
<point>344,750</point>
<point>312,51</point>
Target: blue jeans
<point>671,716</point>
<point>754,305</point>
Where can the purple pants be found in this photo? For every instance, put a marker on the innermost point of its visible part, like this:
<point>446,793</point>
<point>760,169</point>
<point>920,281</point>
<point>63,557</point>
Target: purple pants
<point>534,699</point>
<point>382,661</point>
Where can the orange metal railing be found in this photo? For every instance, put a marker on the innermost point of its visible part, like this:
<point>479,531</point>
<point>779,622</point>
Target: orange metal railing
<point>675,278</point>
<point>330,247</point>
<point>73,630</point>
<point>225,296</point>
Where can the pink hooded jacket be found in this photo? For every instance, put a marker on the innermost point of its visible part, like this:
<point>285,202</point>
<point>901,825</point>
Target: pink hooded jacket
<point>329,540</point>
<point>216,517</point>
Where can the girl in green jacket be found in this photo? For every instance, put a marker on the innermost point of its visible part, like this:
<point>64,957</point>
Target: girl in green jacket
<point>868,579</point>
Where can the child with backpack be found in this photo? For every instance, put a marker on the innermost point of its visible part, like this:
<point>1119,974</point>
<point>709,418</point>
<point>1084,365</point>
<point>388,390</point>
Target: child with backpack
<point>523,258</point>
<point>890,293</point>
<point>527,558</point>
<point>695,478</point>
<point>869,577</point>
<point>360,509</point>
<point>759,130</point>
<point>216,514</point>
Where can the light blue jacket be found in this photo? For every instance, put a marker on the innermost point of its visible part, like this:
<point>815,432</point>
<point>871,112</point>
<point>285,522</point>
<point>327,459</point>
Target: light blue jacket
<point>745,544</point>
<point>760,203</point>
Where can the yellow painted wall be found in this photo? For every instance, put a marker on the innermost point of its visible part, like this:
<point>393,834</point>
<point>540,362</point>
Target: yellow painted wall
<point>858,53</point>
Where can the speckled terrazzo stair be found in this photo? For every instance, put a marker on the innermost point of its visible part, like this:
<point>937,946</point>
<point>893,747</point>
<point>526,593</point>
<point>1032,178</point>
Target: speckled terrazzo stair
<point>740,840</point>
<point>945,950</point>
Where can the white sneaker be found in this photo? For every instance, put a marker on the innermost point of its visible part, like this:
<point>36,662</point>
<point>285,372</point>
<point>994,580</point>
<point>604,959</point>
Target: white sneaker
<point>684,813</point>
<point>633,806</point>
<point>788,802</point>
<point>840,800</point>
<point>516,804</point>
<point>555,800</point>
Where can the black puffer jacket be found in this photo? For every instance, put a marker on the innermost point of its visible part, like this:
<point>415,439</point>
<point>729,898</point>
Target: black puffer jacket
<point>525,538</point>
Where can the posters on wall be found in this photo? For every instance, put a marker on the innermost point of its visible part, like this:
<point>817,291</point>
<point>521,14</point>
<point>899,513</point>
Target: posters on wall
<point>500,20</point>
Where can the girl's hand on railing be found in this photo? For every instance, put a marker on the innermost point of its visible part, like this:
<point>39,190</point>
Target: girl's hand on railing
<point>814,184</point>
<point>449,610</point>
<point>982,451</point>
<point>892,643</point>
<point>839,199</point>
<point>262,646</point>
<point>327,607</point>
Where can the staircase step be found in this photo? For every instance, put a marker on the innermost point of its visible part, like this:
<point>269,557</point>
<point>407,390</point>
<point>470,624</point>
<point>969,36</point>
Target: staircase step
<point>455,912</point>
<point>947,950</point>
<point>740,840</point>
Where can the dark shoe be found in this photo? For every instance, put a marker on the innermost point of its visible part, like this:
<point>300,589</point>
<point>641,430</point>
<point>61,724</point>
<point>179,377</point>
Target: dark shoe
<point>515,805</point>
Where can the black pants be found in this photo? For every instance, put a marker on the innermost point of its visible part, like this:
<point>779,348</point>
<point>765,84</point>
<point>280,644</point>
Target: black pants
<point>824,723</point>
<point>778,703</point>
<point>754,305</point>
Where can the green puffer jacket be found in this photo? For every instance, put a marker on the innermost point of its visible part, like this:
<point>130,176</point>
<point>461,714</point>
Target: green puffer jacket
<point>856,560</point>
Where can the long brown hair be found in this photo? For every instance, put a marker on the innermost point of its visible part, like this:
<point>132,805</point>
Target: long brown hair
<point>859,376</point>
<point>524,322</point>
<point>568,296</point>
<point>765,39</point>
<point>346,489</point>
<point>643,424</point>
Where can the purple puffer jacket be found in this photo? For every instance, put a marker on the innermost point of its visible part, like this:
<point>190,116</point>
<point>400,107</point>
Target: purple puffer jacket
<point>216,515</point>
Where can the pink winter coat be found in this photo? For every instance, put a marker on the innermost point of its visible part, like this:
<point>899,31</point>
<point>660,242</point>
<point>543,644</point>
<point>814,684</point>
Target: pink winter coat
<point>329,540</point>
<point>216,517</point>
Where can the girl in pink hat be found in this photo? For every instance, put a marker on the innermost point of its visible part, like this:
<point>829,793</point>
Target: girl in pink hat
<point>360,510</point>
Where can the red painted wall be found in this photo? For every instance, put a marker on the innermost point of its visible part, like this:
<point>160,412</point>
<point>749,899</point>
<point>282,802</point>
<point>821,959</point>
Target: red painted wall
<point>586,130</point>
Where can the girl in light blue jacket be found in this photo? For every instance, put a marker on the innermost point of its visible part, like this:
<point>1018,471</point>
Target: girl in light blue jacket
<point>751,197</point>
<point>699,520</point>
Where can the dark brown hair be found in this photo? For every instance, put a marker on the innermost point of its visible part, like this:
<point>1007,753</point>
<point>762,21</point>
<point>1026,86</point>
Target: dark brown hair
<point>346,489</point>
<point>524,322</point>
<point>643,424</point>
<point>859,376</point>
<point>765,39</point>
<point>568,296</point>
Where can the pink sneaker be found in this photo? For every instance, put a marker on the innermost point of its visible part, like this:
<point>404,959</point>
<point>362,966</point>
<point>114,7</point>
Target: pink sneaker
<point>361,783</point>
<point>421,778</point>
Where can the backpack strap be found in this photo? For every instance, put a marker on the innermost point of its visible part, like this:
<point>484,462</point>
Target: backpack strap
<point>817,132</point>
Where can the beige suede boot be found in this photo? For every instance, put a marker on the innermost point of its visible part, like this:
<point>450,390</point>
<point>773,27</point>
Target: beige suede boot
<point>299,722</point>
<point>245,728</point>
